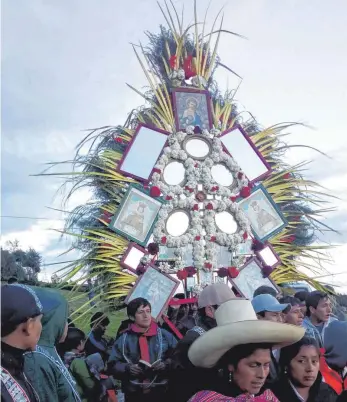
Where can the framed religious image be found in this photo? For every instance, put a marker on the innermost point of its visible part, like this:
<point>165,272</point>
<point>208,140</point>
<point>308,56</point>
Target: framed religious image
<point>136,215</point>
<point>155,286</point>
<point>192,108</point>
<point>244,248</point>
<point>142,153</point>
<point>223,256</point>
<point>250,278</point>
<point>268,256</point>
<point>132,257</point>
<point>265,217</point>
<point>238,144</point>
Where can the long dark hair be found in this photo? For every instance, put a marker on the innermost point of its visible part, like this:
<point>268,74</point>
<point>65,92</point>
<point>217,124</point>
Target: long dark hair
<point>239,352</point>
<point>289,352</point>
<point>287,355</point>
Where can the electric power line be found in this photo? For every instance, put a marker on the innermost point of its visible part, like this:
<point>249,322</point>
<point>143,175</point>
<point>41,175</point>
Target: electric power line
<point>31,217</point>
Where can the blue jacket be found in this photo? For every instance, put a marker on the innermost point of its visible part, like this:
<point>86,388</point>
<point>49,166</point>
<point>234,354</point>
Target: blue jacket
<point>312,331</point>
<point>126,351</point>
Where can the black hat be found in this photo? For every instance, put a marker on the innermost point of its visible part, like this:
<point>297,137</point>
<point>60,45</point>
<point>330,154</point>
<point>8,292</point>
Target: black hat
<point>18,304</point>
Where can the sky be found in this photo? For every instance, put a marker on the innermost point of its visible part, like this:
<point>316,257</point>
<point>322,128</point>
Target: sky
<point>65,66</point>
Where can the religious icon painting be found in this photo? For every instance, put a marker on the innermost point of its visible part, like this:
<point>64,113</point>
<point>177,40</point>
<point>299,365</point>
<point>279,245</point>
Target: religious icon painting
<point>265,217</point>
<point>250,278</point>
<point>148,143</point>
<point>155,286</point>
<point>192,108</point>
<point>136,216</point>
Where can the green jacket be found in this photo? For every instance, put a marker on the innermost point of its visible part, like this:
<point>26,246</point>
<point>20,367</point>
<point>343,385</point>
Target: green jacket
<point>43,367</point>
<point>86,385</point>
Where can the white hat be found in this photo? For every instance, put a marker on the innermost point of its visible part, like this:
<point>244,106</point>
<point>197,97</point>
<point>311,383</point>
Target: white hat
<point>237,324</point>
<point>215,294</point>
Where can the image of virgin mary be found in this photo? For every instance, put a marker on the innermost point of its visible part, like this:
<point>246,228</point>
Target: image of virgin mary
<point>190,115</point>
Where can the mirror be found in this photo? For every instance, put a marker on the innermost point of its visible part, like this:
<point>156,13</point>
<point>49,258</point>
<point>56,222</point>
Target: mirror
<point>226,222</point>
<point>133,257</point>
<point>240,147</point>
<point>174,173</point>
<point>222,175</point>
<point>142,153</point>
<point>197,147</point>
<point>177,223</point>
<point>268,256</point>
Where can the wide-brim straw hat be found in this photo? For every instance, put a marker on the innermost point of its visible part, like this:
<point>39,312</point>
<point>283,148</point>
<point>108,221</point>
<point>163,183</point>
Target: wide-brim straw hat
<point>237,324</point>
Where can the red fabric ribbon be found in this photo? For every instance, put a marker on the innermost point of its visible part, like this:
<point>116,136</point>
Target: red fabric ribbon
<point>178,302</point>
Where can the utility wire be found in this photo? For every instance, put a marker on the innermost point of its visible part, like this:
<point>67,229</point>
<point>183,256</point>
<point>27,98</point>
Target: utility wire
<point>31,217</point>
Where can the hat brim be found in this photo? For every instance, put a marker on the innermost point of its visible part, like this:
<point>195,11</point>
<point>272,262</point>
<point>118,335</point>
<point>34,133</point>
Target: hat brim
<point>278,308</point>
<point>212,345</point>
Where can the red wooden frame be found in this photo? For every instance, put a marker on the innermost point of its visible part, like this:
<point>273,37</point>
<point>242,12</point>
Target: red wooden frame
<point>267,244</point>
<point>177,282</point>
<point>255,149</point>
<point>120,164</point>
<point>122,261</point>
<point>191,90</point>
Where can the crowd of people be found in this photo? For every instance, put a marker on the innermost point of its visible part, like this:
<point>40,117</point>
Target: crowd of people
<point>280,349</point>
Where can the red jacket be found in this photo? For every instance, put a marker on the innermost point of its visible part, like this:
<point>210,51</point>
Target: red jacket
<point>332,377</point>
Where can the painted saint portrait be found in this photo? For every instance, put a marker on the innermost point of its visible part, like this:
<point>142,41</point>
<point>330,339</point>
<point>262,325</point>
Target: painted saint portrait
<point>192,109</point>
<point>251,278</point>
<point>156,287</point>
<point>265,218</point>
<point>136,216</point>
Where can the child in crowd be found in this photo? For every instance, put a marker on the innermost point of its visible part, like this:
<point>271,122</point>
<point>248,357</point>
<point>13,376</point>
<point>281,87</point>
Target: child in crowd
<point>96,342</point>
<point>85,370</point>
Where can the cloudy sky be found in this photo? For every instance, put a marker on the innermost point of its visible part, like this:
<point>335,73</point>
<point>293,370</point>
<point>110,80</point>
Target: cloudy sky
<point>64,69</point>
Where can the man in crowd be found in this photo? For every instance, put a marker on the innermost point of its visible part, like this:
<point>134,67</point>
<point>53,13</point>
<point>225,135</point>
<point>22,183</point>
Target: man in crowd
<point>302,295</point>
<point>265,290</point>
<point>294,315</point>
<point>96,343</point>
<point>186,379</point>
<point>140,357</point>
<point>319,312</point>
<point>21,314</point>
<point>268,308</point>
<point>334,362</point>
<point>43,366</point>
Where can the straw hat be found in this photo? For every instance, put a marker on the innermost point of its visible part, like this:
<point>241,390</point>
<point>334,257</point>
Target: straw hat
<point>237,324</point>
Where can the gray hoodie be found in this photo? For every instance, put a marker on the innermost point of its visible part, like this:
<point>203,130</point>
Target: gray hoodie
<point>335,344</point>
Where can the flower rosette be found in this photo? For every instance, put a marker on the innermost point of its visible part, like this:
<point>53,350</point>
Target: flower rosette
<point>218,156</point>
<point>212,207</point>
<point>195,226</point>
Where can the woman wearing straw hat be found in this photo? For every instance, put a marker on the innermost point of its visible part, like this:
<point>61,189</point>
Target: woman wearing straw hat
<point>241,346</point>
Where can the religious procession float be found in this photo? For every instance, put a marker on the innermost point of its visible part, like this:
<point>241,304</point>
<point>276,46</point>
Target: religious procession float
<point>189,191</point>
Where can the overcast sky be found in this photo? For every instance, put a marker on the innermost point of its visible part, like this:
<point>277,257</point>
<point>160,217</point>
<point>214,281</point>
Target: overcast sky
<point>64,69</point>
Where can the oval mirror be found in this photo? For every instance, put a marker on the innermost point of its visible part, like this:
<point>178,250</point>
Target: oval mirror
<point>197,147</point>
<point>177,223</point>
<point>174,173</point>
<point>226,222</point>
<point>222,175</point>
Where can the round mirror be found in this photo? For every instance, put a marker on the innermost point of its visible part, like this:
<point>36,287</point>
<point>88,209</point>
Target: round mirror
<point>174,173</point>
<point>177,223</point>
<point>196,147</point>
<point>226,222</point>
<point>222,175</point>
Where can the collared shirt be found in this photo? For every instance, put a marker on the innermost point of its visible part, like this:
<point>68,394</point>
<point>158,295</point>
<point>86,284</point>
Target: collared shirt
<point>301,399</point>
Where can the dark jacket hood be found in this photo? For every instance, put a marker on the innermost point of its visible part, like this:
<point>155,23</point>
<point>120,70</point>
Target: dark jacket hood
<point>54,318</point>
<point>335,344</point>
